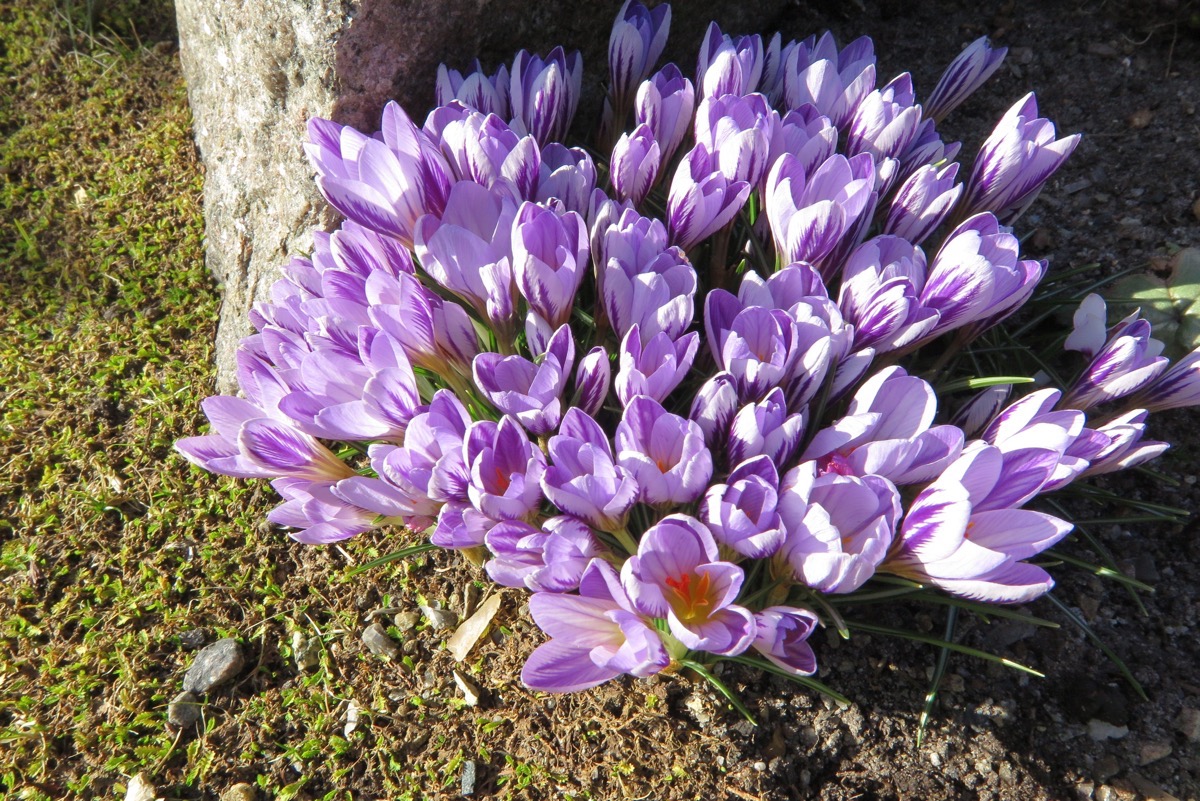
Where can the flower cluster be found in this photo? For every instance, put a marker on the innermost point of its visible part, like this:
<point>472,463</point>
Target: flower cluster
<point>682,431</point>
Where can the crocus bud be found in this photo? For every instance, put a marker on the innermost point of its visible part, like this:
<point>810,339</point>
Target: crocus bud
<point>655,367</point>
<point>487,95</point>
<point>729,66</point>
<point>713,409</point>
<point>765,429</point>
<point>806,134</point>
<point>550,258</point>
<point>738,130</point>
<point>634,165</point>
<point>702,200</point>
<point>637,40</point>
<point>809,214</point>
<point>815,72</point>
<point>592,380</point>
<point>545,94</point>
<point>922,202</point>
<point>529,392</point>
<point>1015,162</point>
<point>974,65</point>
<point>1128,362</point>
<point>666,103</point>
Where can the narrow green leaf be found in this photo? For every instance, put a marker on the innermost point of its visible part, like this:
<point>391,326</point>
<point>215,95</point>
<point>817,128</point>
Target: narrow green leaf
<point>403,553</point>
<point>939,671</point>
<point>807,681</point>
<point>721,688</point>
<point>983,383</point>
<point>870,628</point>
<point>1091,635</point>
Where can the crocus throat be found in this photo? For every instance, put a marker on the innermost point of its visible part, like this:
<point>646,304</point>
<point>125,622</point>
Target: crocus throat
<point>690,601</point>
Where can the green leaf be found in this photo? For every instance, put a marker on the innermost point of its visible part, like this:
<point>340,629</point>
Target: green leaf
<point>721,688</point>
<point>905,634</point>
<point>403,553</point>
<point>984,383</point>
<point>806,681</point>
<point>1091,635</point>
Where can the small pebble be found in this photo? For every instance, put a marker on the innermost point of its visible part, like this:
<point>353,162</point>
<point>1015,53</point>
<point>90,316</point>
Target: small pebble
<point>1103,730</point>
<point>1188,724</point>
<point>761,767</point>
<point>467,785</point>
<point>376,638</point>
<point>183,710</point>
<point>439,618</point>
<point>213,666</point>
<point>470,689</point>
<point>240,792</point>
<point>306,650</point>
<point>1105,768</point>
<point>407,621</point>
<point>140,789</point>
<point>1153,751</point>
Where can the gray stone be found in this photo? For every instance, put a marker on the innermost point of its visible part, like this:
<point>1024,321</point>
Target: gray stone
<point>240,792</point>
<point>376,638</point>
<point>439,618</point>
<point>407,621</point>
<point>1153,751</point>
<point>1188,724</point>
<point>467,785</point>
<point>258,70</point>
<point>140,789</point>
<point>215,665</point>
<point>193,638</point>
<point>184,710</point>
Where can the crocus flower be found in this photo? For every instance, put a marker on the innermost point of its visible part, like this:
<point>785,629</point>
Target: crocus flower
<point>880,294</point>
<point>568,174</point>
<point>468,250</point>
<point>702,200</point>
<point>319,516</point>
<point>975,555</point>
<point>550,258</point>
<point>666,102</point>
<point>969,70</point>
<point>809,214</point>
<point>655,367</point>
<point>729,66</point>
<point>922,202</point>
<point>1125,447</point>
<point>595,636</point>
<point>505,468</point>
<point>642,281</point>
<point>633,168</point>
<point>765,429</point>
<point>664,453</point>
<point>806,134</point>
<point>1176,388</point>
<point>756,346</point>
<point>1015,162</point>
<point>550,559</point>
<point>484,149</point>
<point>477,90</point>
<point>1089,330</point>
<point>434,333</point>
<point>781,635</point>
<point>741,513</point>
<point>815,72</point>
<point>714,408</point>
<point>884,124</point>
<point>738,131</point>
<point>244,442</point>
<point>529,392</point>
<point>545,93</point>
<point>677,574</point>
<point>385,184</point>
<point>592,379</point>
<point>1128,362</point>
<point>839,528</point>
<point>583,479</point>
<point>634,46</point>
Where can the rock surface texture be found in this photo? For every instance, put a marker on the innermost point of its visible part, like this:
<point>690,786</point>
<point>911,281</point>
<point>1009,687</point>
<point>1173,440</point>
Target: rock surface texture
<point>257,70</point>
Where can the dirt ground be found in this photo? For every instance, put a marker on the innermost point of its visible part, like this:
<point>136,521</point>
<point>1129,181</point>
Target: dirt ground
<point>1126,75</point>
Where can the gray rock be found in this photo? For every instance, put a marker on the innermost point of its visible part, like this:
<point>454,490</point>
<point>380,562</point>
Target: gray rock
<point>467,785</point>
<point>257,70</point>
<point>376,638</point>
<point>1153,751</point>
<point>407,621</point>
<point>184,710</point>
<point>240,792</point>
<point>1188,724</point>
<point>439,618</point>
<point>215,665</point>
<point>193,638</point>
<point>140,789</point>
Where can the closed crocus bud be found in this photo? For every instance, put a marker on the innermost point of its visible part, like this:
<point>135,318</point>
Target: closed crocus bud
<point>545,93</point>
<point>729,66</point>
<point>879,295</point>
<point>781,635</point>
<point>568,175</point>
<point>1128,362</point>
<point>885,124</point>
<point>592,380</point>
<point>655,367</point>
<point>738,130</point>
<point>974,65</point>
<point>484,149</point>
<point>583,479</point>
<point>758,347</point>
<point>384,184</point>
<point>809,214</point>
<point>714,408</point>
<point>529,392</point>
<point>1089,331</point>
<point>433,332</point>
<point>1177,388</point>
<point>806,134</point>
<point>634,165</point>
<point>922,202</point>
<point>702,200</point>
<point>665,453</point>
<point>741,513</point>
<point>550,258</point>
<point>1125,447</point>
<point>477,90</point>
<point>634,46</point>
<point>666,103</point>
<point>1015,162</point>
<point>974,415</point>
<point>834,82</point>
<point>643,281</point>
<point>765,429</point>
